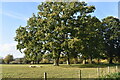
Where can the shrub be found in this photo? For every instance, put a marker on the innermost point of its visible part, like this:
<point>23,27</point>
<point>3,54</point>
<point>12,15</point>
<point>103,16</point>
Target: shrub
<point>112,76</point>
<point>13,62</point>
<point>45,61</point>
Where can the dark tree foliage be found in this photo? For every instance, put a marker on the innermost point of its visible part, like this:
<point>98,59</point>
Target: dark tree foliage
<point>111,35</point>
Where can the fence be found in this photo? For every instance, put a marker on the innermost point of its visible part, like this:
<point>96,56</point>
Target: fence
<point>100,72</point>
<point>105,71</point>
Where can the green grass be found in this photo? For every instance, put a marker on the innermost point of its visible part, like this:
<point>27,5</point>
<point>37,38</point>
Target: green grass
<point>62,71</point>
<point>112,76</point>
<point>93,65</point>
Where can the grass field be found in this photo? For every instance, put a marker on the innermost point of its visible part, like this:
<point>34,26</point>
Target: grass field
<point>62,71</point>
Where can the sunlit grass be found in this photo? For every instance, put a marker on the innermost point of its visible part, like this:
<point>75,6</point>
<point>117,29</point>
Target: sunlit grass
<point>62,71</point>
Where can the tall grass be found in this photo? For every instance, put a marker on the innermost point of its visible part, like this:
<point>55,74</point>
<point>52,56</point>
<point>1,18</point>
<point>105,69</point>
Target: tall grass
<point>112,76</point>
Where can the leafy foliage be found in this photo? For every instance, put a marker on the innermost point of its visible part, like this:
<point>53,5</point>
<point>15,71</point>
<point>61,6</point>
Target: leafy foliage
<point>8,59</point>
<point>68,28</point>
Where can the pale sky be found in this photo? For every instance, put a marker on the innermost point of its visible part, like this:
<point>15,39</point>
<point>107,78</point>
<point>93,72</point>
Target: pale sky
<point>15,14</point>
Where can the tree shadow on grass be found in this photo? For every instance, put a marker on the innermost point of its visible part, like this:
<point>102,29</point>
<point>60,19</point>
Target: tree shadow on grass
<point>88,65</point>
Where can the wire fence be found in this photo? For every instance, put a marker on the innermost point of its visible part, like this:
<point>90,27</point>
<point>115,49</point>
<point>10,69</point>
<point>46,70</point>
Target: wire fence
<point>82,74</point>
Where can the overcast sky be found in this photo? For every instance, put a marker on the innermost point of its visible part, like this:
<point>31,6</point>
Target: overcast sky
<point>15,14</point>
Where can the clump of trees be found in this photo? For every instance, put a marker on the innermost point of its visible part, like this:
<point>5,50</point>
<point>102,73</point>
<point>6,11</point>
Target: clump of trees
<point>68,29</point>
<point>8,59</point>
<point>1,61</point>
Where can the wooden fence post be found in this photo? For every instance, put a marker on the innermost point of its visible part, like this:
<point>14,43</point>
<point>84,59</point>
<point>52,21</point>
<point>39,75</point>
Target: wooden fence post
<point>45,76</point>
<point>108,69</point>
<point>98,72</point>
<point>80,74</point>
<point>116,69</point>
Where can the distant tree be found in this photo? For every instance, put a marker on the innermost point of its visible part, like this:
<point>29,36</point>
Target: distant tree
<point>2,61</point>
<point>19,60</point>
<point>111,35</point>
<point>8,59</point>
<point>93,41</point>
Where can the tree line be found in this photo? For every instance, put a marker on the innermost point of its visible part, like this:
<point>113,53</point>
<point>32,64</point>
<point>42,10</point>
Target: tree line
<point>7,59</point>
<point>69,30</point>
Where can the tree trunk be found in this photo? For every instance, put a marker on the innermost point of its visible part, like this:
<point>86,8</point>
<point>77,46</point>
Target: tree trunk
<point>8,62</point>
<point>110,60</point>
<point>90,60</point>
<point>84,61</point>
<point>33,61</point>
<point>28,62</point>
<point>98,61</point>
<point>56,61</point>
<point>38,62</point>
<point>118,59</point>
<point>75,60</point>
<point>68,59</point>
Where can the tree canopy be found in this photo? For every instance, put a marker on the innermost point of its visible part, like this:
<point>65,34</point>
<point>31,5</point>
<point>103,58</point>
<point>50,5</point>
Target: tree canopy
<point>8,59</point>
<point>67,28</point>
